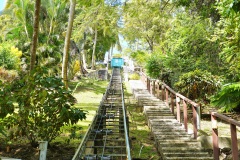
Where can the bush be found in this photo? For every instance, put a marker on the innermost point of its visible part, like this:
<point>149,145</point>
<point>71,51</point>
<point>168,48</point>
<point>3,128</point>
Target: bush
<point>134,76</point>
<point>156,69</point>
<point>8,75</point>
<point>198,85</point>
<point>228,98</point>
<point>9,56</point>
<point>139,57</point>
<point>6,100</point>
<point>44,106</point>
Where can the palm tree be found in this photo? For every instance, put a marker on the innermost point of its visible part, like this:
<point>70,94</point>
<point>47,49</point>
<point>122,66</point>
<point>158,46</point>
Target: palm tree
<point>35,34</point>
<point>67,43</point>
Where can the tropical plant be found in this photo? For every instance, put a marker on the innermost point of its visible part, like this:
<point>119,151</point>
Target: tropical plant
<point>44,106</point>
<point>98,21</point>
<point>155,68</point>
<point>198,85</point>
<point>67,43</point>
<point>9,56</point>
<point>139,57</point>
<point>6,100</point>
<point>227,33</point>
<point>145,22</point>
<point>228,98</point>
<point>35,33</point>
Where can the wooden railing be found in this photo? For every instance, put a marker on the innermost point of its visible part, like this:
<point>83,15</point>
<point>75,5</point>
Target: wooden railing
<point>172,99</point>
<point>233,123</point>
<point>169,96</point>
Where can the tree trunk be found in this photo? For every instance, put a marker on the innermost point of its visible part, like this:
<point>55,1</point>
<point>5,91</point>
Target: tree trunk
<point>67,43</point>
<point>35,34</point>
<point>94,48</point>
<point>82,58</point>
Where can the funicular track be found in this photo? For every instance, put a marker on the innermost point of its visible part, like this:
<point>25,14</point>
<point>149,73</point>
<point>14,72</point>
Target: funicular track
<point>107,136</point>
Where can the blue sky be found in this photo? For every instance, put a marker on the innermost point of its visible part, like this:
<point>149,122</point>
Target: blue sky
<point>2,4</point>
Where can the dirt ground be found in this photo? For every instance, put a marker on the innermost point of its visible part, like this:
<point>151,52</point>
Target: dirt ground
<point>27,152</point>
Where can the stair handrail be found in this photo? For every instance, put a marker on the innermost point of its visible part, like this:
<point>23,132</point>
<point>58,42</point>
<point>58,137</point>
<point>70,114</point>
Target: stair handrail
<point>178,98</point>
<point>233,123</point>
<point>196,115</point>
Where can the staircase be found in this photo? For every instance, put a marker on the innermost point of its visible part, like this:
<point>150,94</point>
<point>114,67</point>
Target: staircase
<point>171,140</point>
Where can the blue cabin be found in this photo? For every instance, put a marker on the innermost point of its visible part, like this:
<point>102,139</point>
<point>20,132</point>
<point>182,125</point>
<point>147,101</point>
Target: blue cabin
<point>117,62</point>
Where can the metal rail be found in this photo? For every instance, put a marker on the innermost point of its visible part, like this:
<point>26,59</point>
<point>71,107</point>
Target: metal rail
<point>107,136</point>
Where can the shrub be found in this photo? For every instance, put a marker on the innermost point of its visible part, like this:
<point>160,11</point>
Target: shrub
<point>9,56</point>
<point>198,85</point>
<point>8,75</point>
<point>6,100</point>
<point>134,76</point>
<point>44,106</point>
<point>156,69</point>
<point>228,98</point>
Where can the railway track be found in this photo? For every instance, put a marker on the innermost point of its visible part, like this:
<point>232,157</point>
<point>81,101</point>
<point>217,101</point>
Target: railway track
<point>107,136</point>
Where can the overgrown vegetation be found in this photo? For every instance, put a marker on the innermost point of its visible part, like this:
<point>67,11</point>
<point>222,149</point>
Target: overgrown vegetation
<point>43,106</point>
<point>228,98</point>
<point>87,96</point>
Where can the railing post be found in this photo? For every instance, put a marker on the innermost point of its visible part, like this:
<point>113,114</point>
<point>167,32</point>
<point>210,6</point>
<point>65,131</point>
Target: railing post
<point>194,121</point>
<point>216,150</point>
<point>198,109</point>
<point>153,87</point>
<point>157,89</point>
<point>234,141</point>
<point>148,84</point>
<point>185,116</point>
<point>178,109</point>
<point>166,93</point>
<point>172,103</point>
<point>163,89</point>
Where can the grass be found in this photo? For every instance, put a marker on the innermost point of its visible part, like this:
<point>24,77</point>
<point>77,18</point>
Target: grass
<point>88,93</point>
<point>142,143</point>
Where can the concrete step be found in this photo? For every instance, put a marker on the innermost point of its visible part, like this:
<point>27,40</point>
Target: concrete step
<point>179,137</point>
<point>168,130</point>
<point>182,149</point>
<point>161,117</point>
<point>180,144</point>
<point>189,158</point>
<point>170,137</point>
<point>158,114</point>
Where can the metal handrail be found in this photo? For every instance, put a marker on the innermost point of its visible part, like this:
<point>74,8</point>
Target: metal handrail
<point>125,125</point>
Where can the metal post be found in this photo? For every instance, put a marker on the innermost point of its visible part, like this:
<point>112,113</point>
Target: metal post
<point>43,150</point>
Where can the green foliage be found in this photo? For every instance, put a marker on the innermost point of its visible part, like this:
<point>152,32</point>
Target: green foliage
<point>156,67</point>
<point>228,98</point>
<point>6,100</point>
<point>134,76</point>
<point>44,106</point>
<point>9,56</point>
<point>119,55</point>
<point>227,33</point>
<point>139,57</point>
<point>8,75</point>
<point>198,84</point>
